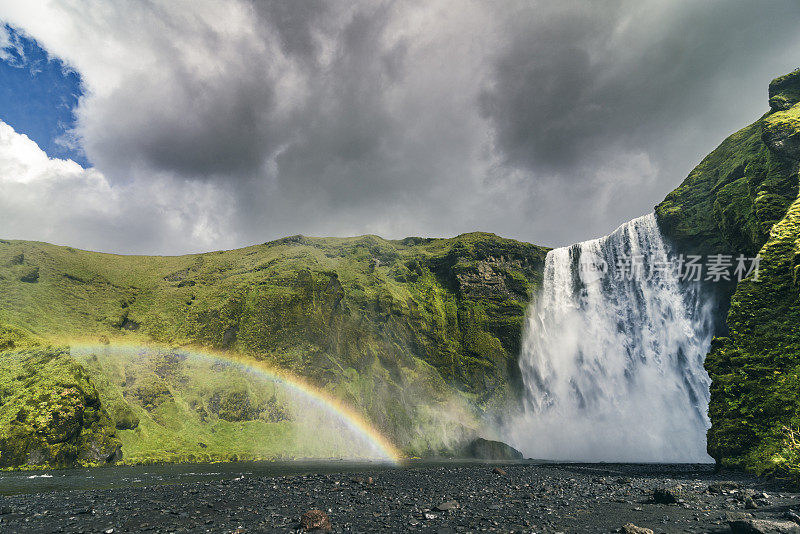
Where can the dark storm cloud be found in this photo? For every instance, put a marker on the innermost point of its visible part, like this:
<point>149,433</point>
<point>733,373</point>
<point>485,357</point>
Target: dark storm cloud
<point>580,80</point>
<point>345,135</point>
<point>294,22</point>
<point>212,121</point>
<point>543,99</point>
<point>226,125</point>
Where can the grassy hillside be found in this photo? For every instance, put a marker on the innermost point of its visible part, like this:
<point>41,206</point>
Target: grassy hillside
<point>742,199</point>
<point>403,331</point>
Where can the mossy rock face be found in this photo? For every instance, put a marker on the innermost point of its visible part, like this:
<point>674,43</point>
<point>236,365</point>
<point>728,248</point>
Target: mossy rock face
<point>233,405</point>
<point>30,275</point>
<point>50,413</point>
<point>755,371</point>
<point>237,404</point>
<point>729,202</point>
<point>151,392</point>
<point>742,198</point>
<point>784,91</point>
<point>122,415</point>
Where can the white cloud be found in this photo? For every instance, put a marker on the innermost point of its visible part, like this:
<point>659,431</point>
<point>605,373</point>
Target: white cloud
<point>58,201</point>
<point>5,43</point>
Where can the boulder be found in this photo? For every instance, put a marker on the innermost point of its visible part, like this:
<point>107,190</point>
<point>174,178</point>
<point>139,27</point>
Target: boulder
<point>485,449</point>
<point>448,505</point>
<point>55,417</point>
<point>721,487</point>
<point>743,524</point>
<point>667,495</point>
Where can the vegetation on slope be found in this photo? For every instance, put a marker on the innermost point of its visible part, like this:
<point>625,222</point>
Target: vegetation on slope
<point>738,201</point>
<point>177,406</point>
<point>50,413</point>
<point>755,405</point>
<point>400,330</point>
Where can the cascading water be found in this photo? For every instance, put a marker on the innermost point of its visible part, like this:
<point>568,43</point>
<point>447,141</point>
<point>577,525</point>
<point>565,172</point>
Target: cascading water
<point>612,359</point>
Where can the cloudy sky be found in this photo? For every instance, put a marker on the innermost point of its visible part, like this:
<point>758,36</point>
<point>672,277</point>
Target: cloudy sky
<point>171,126</point>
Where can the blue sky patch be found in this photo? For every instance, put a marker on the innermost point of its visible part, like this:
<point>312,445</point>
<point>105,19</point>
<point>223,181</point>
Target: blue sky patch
<point>38,95</point>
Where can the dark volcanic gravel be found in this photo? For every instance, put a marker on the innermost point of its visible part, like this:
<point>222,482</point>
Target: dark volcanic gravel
<point>447,498</point>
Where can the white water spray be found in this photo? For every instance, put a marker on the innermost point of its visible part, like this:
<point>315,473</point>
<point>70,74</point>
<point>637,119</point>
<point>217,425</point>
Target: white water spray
<point>612,361</point>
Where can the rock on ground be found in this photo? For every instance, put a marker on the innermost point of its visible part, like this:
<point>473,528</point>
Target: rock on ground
<point>630,528</point>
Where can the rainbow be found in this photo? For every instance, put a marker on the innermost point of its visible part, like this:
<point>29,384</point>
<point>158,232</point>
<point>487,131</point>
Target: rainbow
<point>352,420</point>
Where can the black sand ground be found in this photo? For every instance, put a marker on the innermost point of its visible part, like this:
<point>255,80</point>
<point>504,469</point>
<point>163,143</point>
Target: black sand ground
<point>528,498</point>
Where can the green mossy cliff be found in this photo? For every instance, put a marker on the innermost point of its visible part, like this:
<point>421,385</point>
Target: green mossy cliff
<point>397,329</point>
<point>755,392</point>
<point>742,198</point>
<point>50,412</point>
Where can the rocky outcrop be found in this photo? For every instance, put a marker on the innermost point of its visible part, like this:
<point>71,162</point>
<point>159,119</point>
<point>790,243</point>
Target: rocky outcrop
<point>729,202</point>
<point>742,199</point>
<point>784,91</point>
<point>781,134</point>
<point>50,413</point>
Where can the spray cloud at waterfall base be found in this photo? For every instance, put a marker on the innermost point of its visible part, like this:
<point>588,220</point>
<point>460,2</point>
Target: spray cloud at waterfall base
<point>612,365</point>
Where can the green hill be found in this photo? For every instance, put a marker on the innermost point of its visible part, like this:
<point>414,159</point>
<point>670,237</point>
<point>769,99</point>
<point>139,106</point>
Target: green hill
<point>418,335</point>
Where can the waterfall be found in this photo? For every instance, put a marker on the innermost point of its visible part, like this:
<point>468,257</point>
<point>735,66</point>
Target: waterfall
<point>612,357</point>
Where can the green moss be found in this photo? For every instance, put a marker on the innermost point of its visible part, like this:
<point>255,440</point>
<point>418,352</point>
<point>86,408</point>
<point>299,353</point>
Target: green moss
<point>151,392</point>
<point>15,338</point>
<point>220,411</point>
<point>50,413</point>
<point>784,91</point>
<point>756,370</point>
<point>122,415</point>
